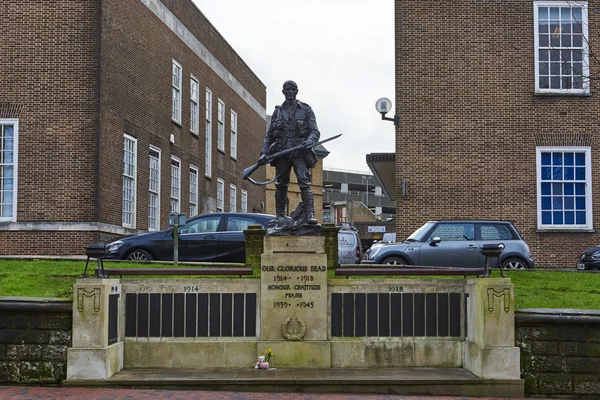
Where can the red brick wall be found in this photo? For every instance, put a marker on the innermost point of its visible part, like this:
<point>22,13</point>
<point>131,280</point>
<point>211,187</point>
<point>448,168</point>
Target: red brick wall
<point>470,120</point>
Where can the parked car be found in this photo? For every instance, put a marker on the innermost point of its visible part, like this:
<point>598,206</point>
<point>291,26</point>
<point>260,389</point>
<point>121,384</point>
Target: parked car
<point>589,259</point>
<point>455,243</point>
<point>349,247</point>
<point>217,237</point>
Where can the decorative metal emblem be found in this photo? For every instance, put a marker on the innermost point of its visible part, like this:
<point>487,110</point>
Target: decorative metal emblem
<point>498,293</point>
<point>82,293</point>
<point>285,331</point>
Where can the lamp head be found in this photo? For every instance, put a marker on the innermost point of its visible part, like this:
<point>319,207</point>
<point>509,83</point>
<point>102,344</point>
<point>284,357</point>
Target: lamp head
<point>383,105</point>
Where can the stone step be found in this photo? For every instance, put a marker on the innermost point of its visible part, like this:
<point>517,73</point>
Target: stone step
<point>406,381</point>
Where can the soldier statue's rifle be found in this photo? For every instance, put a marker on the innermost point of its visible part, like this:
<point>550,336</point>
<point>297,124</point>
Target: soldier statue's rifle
<point>248,171</point>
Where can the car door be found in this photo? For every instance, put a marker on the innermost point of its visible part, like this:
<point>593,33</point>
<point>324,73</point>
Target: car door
<point>232,244</point>
<point>494,233</point>
<point>457,247</point>
<point>199,238</point>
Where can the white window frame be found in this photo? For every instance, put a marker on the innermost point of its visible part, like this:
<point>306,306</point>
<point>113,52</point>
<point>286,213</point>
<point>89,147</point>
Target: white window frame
<point>233,135</point>
<point>221,125</point>
<point>220,195</point>
<point>128,214</point>
<point>244,199</point>
<point>588,188</point>
<point>176,80</point>
<point>154,191</point>
<point>193,191</point>
<point>208,135</point>
<point>15,169</point>
<point>175,185</point>
<point>585,49</point>
<point>194,105</point>
<point>232,198</point>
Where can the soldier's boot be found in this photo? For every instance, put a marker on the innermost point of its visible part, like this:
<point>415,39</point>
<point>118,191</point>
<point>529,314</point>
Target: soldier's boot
<point>280,203</point>
<point>309,205</point>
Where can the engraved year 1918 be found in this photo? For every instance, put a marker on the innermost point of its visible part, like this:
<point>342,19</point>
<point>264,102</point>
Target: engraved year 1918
<point>396,289</point>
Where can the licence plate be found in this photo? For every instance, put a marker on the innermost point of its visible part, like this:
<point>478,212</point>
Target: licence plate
<point>580,266</point>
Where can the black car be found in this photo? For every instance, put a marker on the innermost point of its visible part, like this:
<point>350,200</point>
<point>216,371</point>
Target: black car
<point>589,259</point>
<point>217,237</point>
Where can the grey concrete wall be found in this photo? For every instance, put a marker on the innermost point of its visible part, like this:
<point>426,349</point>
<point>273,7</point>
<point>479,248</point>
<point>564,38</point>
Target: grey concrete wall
<point>34,336</point>
<point>560,352</point>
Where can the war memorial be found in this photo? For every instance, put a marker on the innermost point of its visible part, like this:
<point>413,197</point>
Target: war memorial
<point>456,332</point>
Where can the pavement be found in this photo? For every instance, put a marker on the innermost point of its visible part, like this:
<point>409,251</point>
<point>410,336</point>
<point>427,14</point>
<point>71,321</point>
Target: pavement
<point>24,392</point>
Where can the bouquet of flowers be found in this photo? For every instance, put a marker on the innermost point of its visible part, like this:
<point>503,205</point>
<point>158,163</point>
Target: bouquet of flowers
<point>263,361</point>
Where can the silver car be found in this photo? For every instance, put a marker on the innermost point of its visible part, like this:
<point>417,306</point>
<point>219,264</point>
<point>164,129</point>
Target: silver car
<point>455,243</point>
<point>349,247</point>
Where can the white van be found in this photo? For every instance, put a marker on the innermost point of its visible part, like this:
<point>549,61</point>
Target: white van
<point>349,247</point>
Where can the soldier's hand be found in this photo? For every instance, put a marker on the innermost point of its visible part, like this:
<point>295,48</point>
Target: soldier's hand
<point>308,144</point>
<point>262,159</point>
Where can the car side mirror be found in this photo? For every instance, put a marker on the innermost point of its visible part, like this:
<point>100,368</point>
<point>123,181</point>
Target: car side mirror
<point>435,241</point>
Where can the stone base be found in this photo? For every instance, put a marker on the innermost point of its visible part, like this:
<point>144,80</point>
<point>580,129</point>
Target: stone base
<point>190,354</point>
<point>386,354</point>
<point>94,363</point>
<point>492,362</point>
<point>286,354</point>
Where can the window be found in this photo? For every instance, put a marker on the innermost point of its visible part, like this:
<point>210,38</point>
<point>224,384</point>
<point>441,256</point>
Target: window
<point>244,201</point>
<point>194,105</point>
<point>208,134</point>
<point>203,225</point>
<point>496,232</point>
<point>8,169</point>
<point>154,191</point>
<point>561,46</point>
<point>233,127</point>
<point>238,224</point>
<point>220,194</point>
<point>232,198</point>
<point>453,232</point>
<point>221,125</point>
<point>564,188</point>
<point>129,180</point>
<point>175,184</point>
<point>193,191</point>
<point>176,84</point>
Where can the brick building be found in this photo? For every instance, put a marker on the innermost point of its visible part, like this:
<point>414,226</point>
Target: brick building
<point>114,114</point>
<point>499,119</point>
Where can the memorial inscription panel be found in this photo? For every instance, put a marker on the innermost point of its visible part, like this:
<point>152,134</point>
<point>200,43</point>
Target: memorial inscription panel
<point>293,296</point>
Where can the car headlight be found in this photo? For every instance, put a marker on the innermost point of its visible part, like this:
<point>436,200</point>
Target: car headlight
<point>373,253</point>
<point>596,255</point>
<point>114,246</point>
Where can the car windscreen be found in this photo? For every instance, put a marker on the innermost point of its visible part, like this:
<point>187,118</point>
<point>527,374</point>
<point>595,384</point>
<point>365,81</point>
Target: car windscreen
<point>419,234</point>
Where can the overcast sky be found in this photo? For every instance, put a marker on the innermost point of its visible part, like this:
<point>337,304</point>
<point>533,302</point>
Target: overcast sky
<point>339,52</point>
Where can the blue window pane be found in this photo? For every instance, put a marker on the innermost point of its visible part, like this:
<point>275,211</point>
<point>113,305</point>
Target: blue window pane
<point>569,203</point>
<point>546,160</point>
<point>569,188</point>
<point>557,203</point>
<point>557,158</point>
<point>569,173</point>
<point>557,189</point>
<point>580,189</point>
<point>554,13</point>
<point>580,217</point>
<point>546,218</point>
<point>546,173</point>
<point>543,13</point>
<point>580,203</point>
<point>580,173</point>
<point>557,217</point>
<point>546,203</point>
<point>557,173</point>
<point>579,159</point>
<point>569,218</point>
<point>569,159</point>
<point>546,189</point>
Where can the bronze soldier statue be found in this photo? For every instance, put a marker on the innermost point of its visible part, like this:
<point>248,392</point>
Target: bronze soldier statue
<point>293,124</point>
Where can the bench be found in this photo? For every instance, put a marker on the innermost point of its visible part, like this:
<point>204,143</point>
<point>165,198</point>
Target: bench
<point>408,271</point>
<point>108,272</point>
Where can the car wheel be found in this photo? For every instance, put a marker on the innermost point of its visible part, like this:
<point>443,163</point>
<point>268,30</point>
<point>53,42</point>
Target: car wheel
<point>394,261</point>
<point>139,255</point>
<point>514,264</point>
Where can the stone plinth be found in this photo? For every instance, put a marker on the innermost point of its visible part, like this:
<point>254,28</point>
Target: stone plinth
<point>293,319</point>
<point>489,350</point>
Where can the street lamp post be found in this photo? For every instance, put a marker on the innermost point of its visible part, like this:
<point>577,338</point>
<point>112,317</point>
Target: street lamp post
<point>383,106</point>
